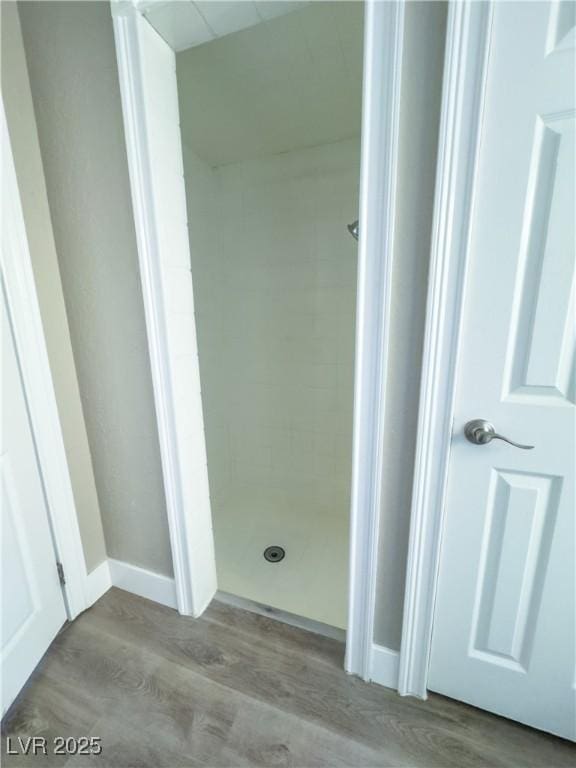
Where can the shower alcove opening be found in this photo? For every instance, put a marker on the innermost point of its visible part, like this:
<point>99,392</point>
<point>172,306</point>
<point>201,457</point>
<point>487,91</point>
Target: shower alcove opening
<point>270,120</point>
<point>248,171</point>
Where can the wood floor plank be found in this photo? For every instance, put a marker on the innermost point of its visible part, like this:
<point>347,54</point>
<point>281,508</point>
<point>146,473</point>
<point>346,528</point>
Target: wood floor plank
<point>47,708</point>
<point>323,649</point>
<point>280,676</point>
<point>265,736</point>
<point>127,746</point>
<point>237,689</point>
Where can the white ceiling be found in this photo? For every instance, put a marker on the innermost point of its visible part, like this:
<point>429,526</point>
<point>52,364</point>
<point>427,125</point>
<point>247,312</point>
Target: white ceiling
<point>185,23</point>
<point>293,82</point>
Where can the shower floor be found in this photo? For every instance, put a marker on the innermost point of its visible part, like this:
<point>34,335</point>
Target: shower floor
<point>311,581</point>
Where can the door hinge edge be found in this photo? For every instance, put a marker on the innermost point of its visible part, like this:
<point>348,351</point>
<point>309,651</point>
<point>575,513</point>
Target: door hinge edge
<point>60,569</point>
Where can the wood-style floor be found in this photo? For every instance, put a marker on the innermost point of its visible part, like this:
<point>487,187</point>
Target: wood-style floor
<point>237,689</point>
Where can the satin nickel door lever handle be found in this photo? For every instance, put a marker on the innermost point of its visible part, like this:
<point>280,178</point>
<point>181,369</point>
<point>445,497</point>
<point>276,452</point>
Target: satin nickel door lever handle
<point>481,432</point>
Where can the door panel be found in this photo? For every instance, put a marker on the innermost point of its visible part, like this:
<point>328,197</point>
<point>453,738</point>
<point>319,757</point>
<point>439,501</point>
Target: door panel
<point>542,343</point>
<point>16,561</point>
<point>514,560</point>
<point>32,603</point>
<point>504,619</point>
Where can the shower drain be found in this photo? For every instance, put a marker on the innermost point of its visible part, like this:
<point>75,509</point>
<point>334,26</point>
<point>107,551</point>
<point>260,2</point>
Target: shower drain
<point>274,554</point>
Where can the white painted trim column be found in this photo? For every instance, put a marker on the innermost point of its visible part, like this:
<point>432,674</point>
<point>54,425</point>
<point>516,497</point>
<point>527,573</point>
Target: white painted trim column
<point>383,41</point>
<point>163,251</point>
<point>467,48</point>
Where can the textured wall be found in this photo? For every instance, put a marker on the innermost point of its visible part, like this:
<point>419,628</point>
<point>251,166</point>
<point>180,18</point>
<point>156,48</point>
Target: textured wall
<point>17,100</point>
<point>421,94</point>
<point>72,66</point>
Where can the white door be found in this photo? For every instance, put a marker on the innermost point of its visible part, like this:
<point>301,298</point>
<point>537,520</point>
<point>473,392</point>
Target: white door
<point>504,621</point>
<point>32,602</point>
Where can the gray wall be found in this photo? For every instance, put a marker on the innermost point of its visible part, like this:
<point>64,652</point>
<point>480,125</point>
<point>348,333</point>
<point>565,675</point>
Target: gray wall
<point>420,106</point>
<point>17,100</point>
<point>72,67</point>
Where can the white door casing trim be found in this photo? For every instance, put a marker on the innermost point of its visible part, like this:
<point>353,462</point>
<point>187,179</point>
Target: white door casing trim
<point>22,301</point>
<point>143,186</point>
<point>383,45</point>
<point>467,51</point>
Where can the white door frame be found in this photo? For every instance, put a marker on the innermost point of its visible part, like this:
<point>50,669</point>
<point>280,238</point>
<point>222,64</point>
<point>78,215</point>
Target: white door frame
<point>18,283</point>
<point>467,51</point>
<point>381,108</point>
<point>183,521</point>
<point>383,44</point>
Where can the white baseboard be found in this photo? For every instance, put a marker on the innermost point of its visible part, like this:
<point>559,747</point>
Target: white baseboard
<point>98,582</point>
<point>132,578</point>
<point>384,666</point>
<point>144,583</point>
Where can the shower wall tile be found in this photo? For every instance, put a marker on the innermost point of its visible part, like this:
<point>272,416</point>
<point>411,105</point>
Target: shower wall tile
<point>274,295</point>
